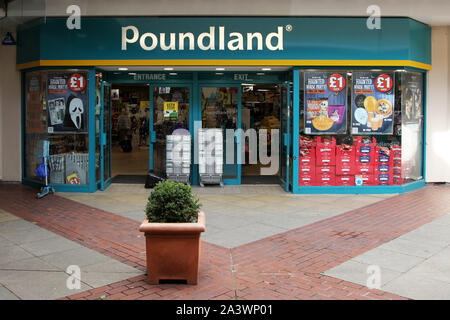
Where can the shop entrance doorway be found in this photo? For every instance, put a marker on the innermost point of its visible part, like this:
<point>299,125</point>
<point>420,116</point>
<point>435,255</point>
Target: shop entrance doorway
<point>130,132</point>
<point>261,105</point>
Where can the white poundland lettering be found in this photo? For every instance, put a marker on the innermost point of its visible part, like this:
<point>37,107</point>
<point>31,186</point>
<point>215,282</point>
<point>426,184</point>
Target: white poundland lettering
<point>205,41</point>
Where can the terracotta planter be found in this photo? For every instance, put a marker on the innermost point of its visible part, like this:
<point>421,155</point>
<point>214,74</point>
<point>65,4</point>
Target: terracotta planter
<point>173,250</point>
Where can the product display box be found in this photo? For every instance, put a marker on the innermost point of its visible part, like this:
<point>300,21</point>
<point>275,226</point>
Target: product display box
<point>323,163</point>
<point>325,152</point>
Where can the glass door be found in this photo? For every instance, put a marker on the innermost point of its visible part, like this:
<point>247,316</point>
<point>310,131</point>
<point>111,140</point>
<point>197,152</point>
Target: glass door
<point>105,136</point>
<point>284,136</point>
<point>169,112</point>
<point>221,109</point>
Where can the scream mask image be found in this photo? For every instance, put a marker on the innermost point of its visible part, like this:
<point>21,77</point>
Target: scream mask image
<point>74,118</point>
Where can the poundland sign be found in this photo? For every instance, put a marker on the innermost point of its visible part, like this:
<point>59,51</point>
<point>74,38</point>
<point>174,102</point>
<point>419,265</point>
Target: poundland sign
<point>214,39</point>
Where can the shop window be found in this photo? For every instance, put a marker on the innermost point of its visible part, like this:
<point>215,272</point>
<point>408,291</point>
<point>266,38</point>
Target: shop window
<point>56,110</point>
<point>360,127</point>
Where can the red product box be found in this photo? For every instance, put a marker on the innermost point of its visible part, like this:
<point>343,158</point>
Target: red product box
<point>325,152</point>
<point>345,180</point>
<point>307,180</point>
<point>397,171</point>
<point>396,151</point>
<point>326,170</point>
<point>364,168</point>
<point>397,163</point>
<point>381,157</point>
<point>345,160</point>
<point>307,168</point>
<point>325,179</point>
<point>368,179</point>
<point>365,153</point>
<point>384,168</point>
<point>384,179</point>
<point>397,179</point>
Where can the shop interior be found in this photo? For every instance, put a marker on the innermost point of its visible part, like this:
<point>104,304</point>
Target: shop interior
<point>130,159</point>
<point>260,110</point>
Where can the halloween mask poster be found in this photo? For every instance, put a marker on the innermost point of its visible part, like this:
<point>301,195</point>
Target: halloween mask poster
<point>325,103</point>
<point>67,102</point>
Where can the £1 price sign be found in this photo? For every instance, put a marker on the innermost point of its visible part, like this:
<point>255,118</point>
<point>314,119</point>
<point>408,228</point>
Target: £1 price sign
<point>336,82</point>
<point>77,82</point>
<point>383,82</point>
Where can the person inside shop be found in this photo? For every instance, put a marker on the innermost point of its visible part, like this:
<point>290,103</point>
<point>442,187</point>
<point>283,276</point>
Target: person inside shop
<point>123,128</point>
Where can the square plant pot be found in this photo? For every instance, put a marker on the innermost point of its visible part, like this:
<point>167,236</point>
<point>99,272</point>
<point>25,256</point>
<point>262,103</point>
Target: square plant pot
<point>173,250</point>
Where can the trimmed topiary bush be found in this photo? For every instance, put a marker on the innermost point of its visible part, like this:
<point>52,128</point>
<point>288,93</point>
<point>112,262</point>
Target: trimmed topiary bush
<point>172,202</point>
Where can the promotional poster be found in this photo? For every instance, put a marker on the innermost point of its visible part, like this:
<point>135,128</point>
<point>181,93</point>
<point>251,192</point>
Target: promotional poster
<point>325,103</point>
<point>67,105</point>
<point>372,103</point>
<point>412,97</point>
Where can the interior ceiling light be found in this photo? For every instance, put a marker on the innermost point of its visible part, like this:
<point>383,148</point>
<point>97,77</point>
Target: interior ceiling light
<point>173,73</point>
<point>123,69</point>
<point>219,73</point>
<point>266,69</point>
<point>131,73</point>
<point>220,69</point>
<point>260,73</point>
<point>168,69</point>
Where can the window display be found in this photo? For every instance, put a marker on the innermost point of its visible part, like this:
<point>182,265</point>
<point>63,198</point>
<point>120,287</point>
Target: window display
<point>375,154</point>
<point>57,111</point>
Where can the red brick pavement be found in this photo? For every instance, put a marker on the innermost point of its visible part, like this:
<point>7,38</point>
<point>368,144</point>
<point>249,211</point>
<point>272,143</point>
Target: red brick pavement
<point>284,266</point>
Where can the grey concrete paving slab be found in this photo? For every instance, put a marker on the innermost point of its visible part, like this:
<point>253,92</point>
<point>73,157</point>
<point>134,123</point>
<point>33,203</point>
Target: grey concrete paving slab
<point>99,279</point>
<point>17,225</point>
<point>39,285</point>
<point>13,253</point>
<point>418,287</point>
<point>5,216</point>
<point>79,256</point>
<point>389,259</point>
<point>48,246</point>
<point>109,266</point>
<point>411,247</point>
<point>357,272</point>
<point>30,235</point>
<point>5,294</point>
<point>29,264</point>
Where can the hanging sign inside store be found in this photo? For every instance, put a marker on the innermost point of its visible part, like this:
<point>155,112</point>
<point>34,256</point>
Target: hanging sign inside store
<point>372,103</point>
<point>325,103</point>
<point>171,110</point>
<point>67,102</point>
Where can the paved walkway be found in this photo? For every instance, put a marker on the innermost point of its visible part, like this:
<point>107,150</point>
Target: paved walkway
<point>287,265</point>
<point>236,215</point>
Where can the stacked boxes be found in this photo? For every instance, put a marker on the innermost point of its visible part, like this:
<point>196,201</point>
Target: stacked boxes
<point>322,163</point>
<point>384,169</point>
<point>325,162</point>
<point>210,156</point>
<point>345,165</point>
<point>397,164</point>
<point>178,157</point>
<point>307,162</point>
<point>365,160</point>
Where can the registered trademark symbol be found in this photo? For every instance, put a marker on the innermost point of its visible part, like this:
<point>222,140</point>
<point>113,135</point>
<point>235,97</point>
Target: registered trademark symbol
<point>288,28</point>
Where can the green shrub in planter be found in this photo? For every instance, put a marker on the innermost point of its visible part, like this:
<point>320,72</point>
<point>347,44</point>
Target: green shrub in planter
<point>172,202</point>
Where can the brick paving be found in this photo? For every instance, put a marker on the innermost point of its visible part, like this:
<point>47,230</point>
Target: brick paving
<point>284,266</point>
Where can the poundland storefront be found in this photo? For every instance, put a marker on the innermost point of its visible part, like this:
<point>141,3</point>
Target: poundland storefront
<point>318,105</point>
